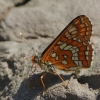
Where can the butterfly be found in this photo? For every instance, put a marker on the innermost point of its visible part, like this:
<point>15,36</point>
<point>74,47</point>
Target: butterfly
<point>70,50</point>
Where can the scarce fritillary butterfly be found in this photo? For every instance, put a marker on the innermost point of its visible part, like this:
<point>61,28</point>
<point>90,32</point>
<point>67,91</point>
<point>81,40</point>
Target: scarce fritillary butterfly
<point>70,50</point>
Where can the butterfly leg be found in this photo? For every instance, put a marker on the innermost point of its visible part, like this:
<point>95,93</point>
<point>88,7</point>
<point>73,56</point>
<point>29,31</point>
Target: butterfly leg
<point>43,82</point>
<point>61,78</point>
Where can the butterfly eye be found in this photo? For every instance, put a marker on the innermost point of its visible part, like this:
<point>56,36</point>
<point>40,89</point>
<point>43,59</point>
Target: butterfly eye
<point>35,59</point>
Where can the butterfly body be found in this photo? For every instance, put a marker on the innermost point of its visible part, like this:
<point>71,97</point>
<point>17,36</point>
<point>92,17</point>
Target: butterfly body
<point>71,49</point>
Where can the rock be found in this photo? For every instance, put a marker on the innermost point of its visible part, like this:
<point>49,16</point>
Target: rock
<point>40,22</point>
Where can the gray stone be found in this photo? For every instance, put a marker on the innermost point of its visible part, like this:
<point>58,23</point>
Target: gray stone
<point>40,22</point>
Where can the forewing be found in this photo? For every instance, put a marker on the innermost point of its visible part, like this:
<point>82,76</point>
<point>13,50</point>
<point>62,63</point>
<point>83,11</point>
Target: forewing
<point>71,48</point>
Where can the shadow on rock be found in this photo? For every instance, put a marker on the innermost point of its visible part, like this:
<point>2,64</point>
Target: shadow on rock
<point>93,81</point>
<point>32,87</point>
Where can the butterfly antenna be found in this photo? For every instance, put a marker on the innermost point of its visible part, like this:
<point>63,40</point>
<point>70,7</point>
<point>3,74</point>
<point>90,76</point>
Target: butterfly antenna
<point>26,41</point>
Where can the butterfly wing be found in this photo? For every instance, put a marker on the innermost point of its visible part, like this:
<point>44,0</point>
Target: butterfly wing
<point>71,48</point>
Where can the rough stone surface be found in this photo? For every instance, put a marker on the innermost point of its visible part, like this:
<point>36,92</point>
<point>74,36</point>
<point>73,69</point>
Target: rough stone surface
<point>40,22</point>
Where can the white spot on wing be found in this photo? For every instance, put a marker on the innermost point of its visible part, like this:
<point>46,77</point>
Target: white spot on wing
<point>87,57</point>
<point>86,52</point>
<point>53,54</point>
<point>73,58</point>
<point>67,47</point>
<point>74,32</point>
<point>57,58</point>
<point>81,19</point>
<point>86,33</point>
<point>64,62</point>
<point>65,56</point>
<point>63,45</point>
<point>84,43</point>
<point>86,24</point>
<point>87,28</point>
<point>79,40</point>
<point>76,62</point>
<point>75,54</point>
<point>67,35</point>
<point>77,50</point>
<point>87,48</point>
<point>60,42</point>
<point>73,51</point>
<point>76,58</point>
<point>74,47</point>
<point>80,63</point>
<point>74,38</point>
<point>72,29</point>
